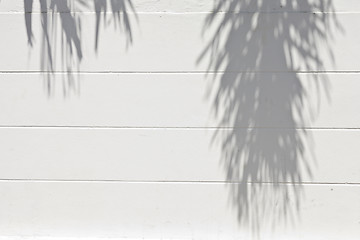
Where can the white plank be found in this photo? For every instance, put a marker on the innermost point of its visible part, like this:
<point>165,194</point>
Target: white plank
<point>180,155</point>
<point>199,6</point>
<point>161,211</point>
<point>183,100</point>
<point>174,42</point>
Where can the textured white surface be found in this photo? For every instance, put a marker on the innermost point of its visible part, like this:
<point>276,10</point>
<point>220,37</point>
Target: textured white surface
<point>166,154</point>
<point>138,138</point>
<point>173,42</point>
<point>165,210</point>
<point>172,100</point>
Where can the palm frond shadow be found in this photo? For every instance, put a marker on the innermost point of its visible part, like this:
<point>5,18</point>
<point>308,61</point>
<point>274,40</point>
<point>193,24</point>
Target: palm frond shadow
<point>256,51</point>
<point>64,17</point>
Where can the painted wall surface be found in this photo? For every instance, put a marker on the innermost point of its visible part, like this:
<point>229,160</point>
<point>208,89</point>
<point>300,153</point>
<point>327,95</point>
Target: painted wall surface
<point>168,119</point>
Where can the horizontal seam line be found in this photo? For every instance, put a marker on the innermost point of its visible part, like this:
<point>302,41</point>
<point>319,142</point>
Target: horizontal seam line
<point>167,72</point>
<point>185,12</point>
<point>167,127</point>
<point>171,181</point>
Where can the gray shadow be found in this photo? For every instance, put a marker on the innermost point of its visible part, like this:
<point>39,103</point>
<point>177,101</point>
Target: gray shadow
<point>120,17</point>
<point>256,53</point>
<point>64,17</point>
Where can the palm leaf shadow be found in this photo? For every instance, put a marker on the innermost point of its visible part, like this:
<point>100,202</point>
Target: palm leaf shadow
<point>64,17</point>
<point>256,52</point>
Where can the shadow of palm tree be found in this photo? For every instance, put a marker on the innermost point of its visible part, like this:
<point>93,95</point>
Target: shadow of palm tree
<point>66,16</point>
<point>119,10</point>
<point>257,51</point>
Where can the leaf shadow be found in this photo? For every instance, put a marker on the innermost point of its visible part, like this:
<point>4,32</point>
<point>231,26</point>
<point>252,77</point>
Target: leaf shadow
<point>262,59</point>
<point>61,34</point>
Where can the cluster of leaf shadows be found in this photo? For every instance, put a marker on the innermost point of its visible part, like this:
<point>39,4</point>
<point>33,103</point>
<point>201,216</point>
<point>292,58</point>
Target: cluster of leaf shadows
<point>257,53</point>
<point>64,18</point>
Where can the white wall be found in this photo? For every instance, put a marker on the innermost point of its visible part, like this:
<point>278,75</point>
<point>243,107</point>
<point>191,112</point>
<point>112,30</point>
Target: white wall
<point>182,122</point>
